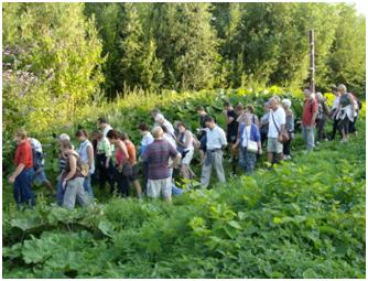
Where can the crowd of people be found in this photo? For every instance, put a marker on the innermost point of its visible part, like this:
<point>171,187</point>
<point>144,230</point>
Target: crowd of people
<point>164,147</point>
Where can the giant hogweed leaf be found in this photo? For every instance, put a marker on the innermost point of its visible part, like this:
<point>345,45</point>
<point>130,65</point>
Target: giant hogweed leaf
<point>26,223</point>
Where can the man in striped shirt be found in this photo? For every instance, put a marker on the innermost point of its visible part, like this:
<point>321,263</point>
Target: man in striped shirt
<point>157,155</point>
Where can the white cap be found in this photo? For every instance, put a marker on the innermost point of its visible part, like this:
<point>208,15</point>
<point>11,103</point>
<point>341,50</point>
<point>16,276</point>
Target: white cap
<point>286,102</point>
<point>64,136</point>
<point>159,117</point>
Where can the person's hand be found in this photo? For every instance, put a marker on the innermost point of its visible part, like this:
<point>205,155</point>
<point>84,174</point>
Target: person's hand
<point>107,164</point>
<point>11,179</point>
<point>260,151</point>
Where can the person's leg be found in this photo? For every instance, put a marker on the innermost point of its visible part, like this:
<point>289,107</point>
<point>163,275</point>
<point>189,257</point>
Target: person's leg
<point>270,150</point>
<point>70,194</point>
<point>242,153</point>
<point>124,185</point>
<point>81,195</point>
<point>319,123</point>
<point>206,170</point>
<point>17,189</point>
<point>87,186</point>
<point>154,188</point>
<point>59,192</point>
<point>218,164</point>
<point>251,159</point>
<point>101,170</point>
<point>26,190</point>
<point>135,181</point>
<point>310,139</point>
<point>167,189</point>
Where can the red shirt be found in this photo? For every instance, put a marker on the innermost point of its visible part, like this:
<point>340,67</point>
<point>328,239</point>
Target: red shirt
<point>310,106</point>
<point>23,154</point>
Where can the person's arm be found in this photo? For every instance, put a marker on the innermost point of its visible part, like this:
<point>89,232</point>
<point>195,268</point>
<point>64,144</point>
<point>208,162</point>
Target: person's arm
<point>16,173</point>
<point>73,168</point>
<point>257,121</point>
<point>223,138</point>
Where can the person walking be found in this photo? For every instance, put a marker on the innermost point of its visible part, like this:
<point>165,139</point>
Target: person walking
<point>185,141</point>
<point>289,127</point>
<point>123,169</point>
<point>22,176</point>
<point>133,162</point>
<point>321,119</point>
<point>310,111</point>
<point>147,139</point>
<point>276,127</point>
<point>86,154</point>
<point>73,179</point>
<point>39,176</point>
<point>216,142</point>
<point>231,132</point>
<point>62,163</point>
<point>104,126</point>
<point>345,111</point>
<point>201,133</point>
<point>249,141</point>
<point>264,122</point>
<point>104,161</point>
<point>157,155</point>
<point>333,113</point>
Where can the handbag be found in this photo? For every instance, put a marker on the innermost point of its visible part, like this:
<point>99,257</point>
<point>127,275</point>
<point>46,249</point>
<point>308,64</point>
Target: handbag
<point>252,146</point>
<point>284,136</point>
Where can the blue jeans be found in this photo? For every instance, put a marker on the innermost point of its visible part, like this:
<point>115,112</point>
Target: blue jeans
<point>23,188</point>
<point>60,192</point>
<point>88,187</point>
<point>308,136</point>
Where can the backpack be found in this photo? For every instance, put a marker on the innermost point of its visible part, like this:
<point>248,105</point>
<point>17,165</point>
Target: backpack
<point>37,158</point>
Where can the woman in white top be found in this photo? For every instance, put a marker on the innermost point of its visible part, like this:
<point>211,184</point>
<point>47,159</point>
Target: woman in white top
<point>185,140</point>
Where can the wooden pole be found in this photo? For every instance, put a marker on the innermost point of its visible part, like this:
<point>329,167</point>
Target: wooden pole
<point>312,66</point>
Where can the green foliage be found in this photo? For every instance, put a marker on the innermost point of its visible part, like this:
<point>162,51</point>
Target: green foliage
<point>52,55</point>
<point>303,219</point>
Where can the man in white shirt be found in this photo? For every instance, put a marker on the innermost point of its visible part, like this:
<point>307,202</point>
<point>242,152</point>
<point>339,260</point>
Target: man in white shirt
<point>277,120</point>
<point>216,141</point>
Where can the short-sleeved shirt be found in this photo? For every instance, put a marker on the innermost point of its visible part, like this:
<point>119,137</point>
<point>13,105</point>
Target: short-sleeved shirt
<point>104,147</point>
<point>131,152</point>
<point>309,108</point>
<point>278,117</point>
<point>157,156</point>
<point>216,138</point>
<point>232,128</point>
<point>23,155</point>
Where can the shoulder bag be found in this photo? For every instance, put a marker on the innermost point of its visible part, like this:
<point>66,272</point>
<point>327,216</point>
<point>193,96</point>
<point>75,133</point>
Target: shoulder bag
<point>283,136</point>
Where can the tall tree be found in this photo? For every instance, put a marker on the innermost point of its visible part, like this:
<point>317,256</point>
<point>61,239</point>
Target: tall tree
<point>187,44</point>
<point>346,60</point>
<point>53,58</point>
